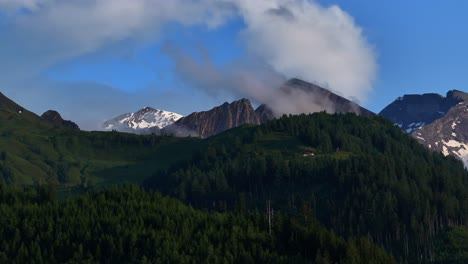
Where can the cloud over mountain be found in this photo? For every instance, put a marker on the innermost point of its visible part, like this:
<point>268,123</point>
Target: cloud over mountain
<point>282,38</point>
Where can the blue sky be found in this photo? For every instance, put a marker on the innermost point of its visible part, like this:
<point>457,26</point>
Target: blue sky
<point>130,54</point>
<point>421,45</point>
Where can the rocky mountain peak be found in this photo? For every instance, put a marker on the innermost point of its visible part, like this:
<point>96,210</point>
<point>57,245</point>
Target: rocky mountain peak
<point>216,120</point>
<point>144,121</point>
<point>54,118</point>
<point>458,95</point>
<point>412,111</point>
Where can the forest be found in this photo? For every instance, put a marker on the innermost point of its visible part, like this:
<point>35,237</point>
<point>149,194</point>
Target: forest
<point>315,188</point>
<point>366,178</point>
<point>126,224</point>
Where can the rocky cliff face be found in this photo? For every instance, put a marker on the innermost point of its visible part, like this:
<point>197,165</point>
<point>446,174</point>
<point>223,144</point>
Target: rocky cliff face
<point>216,120</point>
<point>54,118</point>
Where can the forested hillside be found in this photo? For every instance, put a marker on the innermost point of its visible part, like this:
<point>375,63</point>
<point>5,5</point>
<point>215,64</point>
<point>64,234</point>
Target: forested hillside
<point>358,176</point>
<point>128,225</point>
<point>339,176</point>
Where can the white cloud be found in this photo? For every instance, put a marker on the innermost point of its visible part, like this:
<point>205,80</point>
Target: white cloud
<point>289,38</point>
<point>54,31</point>
<point>302,39</point>
<point>293,38</point>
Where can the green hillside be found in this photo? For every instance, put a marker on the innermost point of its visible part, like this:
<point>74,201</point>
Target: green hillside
<point>33,152</point>
<point>359,177</point>
<point>366,177</point>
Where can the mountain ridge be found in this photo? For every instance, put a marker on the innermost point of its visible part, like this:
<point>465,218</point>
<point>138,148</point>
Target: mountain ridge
<point>412,111</point>
<point>229,115</point>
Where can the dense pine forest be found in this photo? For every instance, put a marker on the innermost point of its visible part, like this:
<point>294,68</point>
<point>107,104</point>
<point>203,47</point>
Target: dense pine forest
<point>316,188</point>
<point>128,225</point>
<point>357,176</point>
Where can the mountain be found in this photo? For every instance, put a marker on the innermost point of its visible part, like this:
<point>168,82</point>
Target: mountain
<point>439,123</point>
<point>448,134</point>
<point>325,99</point>
<point>55,119</point>
<point>230,115</point>
<point>145,121</point>
<point>218,119</point>
<point>413,111</point>
<point>367,178</point>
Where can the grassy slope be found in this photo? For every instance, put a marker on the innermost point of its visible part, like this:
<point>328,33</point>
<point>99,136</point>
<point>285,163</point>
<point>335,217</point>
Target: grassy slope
<point>36,153</point>
<point>33,152</point>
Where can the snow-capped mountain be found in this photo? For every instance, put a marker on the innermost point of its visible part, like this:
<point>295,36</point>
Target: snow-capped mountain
<point>144,121</point>
<point>439,123</point>
<point>448,134</point>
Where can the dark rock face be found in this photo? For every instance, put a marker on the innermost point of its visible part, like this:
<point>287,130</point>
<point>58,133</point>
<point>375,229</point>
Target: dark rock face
<point>413,111</point>
<point>325,99</point>
<point>54,118</point>
<point>216,120</point>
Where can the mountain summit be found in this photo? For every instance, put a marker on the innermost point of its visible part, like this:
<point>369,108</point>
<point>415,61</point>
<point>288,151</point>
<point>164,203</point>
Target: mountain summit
<point>218,119</point>
<point>54,118</point>
<point>413,111</point>
<point>144,121</point>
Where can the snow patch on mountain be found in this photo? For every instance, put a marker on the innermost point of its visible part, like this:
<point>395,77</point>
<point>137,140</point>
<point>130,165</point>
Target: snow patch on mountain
<point>445,151</point>
<point>458,149</point>
<point>414,126</point>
